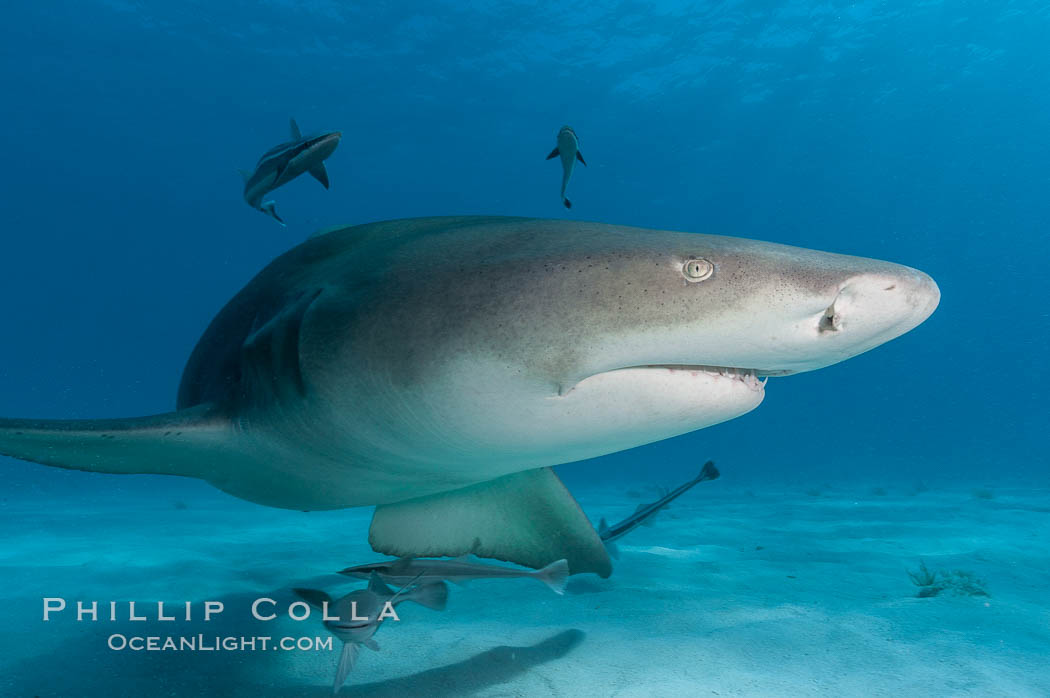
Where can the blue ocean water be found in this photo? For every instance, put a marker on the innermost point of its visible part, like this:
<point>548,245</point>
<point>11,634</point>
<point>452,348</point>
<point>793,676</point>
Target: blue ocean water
<point>913,132</point>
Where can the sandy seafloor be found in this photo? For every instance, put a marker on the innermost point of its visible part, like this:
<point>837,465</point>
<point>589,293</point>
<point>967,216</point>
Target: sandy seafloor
<point>734,591</point>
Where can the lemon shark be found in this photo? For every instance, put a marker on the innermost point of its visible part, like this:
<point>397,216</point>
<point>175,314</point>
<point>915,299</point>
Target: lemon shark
<point>437,368</point>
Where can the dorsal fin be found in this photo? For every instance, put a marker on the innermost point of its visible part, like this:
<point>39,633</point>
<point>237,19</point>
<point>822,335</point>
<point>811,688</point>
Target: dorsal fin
<point>377,586</point>
<point>296,133</point>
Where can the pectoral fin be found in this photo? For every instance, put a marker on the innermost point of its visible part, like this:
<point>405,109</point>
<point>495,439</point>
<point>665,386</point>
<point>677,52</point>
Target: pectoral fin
<point>528,518</point>
<point>319,173</point>
<point>177,443</point>
<point>554,153</point>
<point>579,156</point>
<point>314,597</point>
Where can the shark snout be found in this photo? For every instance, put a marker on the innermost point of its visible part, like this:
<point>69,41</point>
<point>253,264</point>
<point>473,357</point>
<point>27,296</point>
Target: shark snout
<point>873,308</point>
<point>326,144</point>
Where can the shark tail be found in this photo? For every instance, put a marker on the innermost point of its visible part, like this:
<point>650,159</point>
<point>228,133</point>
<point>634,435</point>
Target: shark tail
<point>708,472</point>
<point>432,595</point>
<point>565,200</point>
<point>347,659</point>
<point>603,528</point>
<point>555,575</point>
<point>270,209</point>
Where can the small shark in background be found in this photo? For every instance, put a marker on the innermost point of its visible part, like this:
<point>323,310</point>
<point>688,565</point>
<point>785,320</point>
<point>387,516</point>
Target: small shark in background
<point>359,615</point>
<point>285,162</point>
<point>460,570</point>
<point>644,513</point>
<point>569,149</point>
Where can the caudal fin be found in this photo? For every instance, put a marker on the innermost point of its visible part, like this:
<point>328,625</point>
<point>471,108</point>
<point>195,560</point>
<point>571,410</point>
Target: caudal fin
<point>708,472</point>
<point>555,575</point>
<point>568,204</point>
<point>270,208</point>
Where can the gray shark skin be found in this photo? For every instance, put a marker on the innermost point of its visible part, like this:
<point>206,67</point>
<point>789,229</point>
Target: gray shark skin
<point>407,570</point>
<point>356,617</point>
<point>644,514</point>
<point>569,149</point>
<point>436,367</point>
<point>283,163</point>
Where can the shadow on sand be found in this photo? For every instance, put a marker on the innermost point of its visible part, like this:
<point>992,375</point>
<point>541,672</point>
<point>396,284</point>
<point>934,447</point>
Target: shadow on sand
<point>495,666</point>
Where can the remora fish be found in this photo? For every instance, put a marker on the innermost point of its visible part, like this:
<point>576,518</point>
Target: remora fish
<point>569,149</point>
<point>360,613</point>
<point>406,569</point>
<point>436,367</point>
<point>644,513</point>
<point>283,163</point>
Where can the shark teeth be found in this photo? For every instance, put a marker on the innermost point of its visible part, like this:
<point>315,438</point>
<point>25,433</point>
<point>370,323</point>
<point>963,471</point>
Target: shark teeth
<point>748,376</point>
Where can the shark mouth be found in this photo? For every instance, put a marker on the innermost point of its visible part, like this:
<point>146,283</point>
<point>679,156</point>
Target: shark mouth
<point>752,378</point>
<point>350,626</point>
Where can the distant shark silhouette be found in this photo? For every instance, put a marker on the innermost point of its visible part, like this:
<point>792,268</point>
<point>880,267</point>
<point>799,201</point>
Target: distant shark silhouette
<point>283,163</point>
<point>435,367</point>
<point>569,149</point>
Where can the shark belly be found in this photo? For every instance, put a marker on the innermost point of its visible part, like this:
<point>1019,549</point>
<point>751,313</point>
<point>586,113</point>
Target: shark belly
<point>345,446</point>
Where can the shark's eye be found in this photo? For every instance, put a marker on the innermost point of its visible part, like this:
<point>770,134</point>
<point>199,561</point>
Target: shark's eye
<point>697,269</point>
